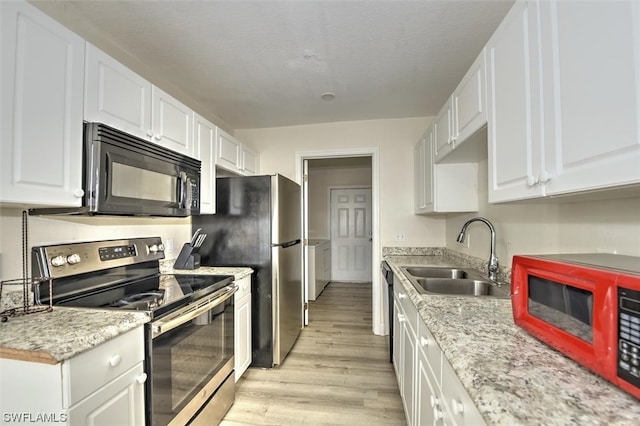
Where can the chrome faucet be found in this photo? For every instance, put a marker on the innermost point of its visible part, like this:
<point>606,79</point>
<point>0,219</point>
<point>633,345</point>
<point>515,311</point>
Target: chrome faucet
<point>493,260</point>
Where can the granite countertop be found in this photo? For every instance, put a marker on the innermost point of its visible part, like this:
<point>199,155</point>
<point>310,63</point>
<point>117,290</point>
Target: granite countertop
<point>52,337</point>
<point>513,378</point>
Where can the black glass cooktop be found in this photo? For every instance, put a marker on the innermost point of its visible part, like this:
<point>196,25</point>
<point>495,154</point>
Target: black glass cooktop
<point>156,294</point>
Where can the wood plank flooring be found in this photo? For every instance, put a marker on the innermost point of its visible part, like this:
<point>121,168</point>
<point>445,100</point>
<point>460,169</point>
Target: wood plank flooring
<point>338,372</point>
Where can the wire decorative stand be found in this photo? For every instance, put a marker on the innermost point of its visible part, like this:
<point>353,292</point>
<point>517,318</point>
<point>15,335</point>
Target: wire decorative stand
<point>27,306</point>
<point>28,286</point>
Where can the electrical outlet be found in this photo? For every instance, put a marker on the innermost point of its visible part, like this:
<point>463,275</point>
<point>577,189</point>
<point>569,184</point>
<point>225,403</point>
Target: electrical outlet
<point>401,236</point>
<point>168,248</point>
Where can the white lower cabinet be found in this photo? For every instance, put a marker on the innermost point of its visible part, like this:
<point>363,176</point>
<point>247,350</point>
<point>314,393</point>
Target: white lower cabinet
<point>242,335</point>
<point>431,391</point>
<point>104,385</point>
<point>319,267</point>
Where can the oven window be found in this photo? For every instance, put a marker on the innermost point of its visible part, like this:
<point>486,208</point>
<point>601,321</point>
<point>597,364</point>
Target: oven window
<point>186,358</point>
<point>139,183</point>
<point>568,308</point>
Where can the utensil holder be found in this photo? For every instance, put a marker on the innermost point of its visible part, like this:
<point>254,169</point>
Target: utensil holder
<point>189,258</point>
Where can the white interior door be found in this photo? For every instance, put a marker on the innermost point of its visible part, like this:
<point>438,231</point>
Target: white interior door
<point>351,234</point>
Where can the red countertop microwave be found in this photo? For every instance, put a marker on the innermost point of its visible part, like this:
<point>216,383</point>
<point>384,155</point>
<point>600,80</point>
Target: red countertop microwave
<point>587,306</point>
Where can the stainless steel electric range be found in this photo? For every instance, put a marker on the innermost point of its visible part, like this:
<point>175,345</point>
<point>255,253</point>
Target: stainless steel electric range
<point>189,339</point>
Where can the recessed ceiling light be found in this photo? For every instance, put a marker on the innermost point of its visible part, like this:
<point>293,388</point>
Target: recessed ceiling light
<point>327,96</point>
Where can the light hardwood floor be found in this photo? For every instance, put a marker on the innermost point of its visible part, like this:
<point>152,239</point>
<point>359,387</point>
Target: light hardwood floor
<point>338,372</point>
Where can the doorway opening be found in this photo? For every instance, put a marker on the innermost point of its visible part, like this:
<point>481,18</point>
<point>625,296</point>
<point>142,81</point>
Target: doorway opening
<point>320,173</point>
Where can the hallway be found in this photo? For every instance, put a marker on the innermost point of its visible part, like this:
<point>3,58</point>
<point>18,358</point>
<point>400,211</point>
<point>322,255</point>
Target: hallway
<point>338,372</point>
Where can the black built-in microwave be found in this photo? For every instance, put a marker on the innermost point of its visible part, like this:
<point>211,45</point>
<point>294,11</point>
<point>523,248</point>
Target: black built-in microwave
<point>126,175</point>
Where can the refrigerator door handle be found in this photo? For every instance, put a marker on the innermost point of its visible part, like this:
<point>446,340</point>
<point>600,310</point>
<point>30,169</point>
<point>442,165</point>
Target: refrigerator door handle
<point>287,244</point>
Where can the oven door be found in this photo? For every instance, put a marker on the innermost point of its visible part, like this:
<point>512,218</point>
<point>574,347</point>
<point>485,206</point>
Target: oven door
<point>131,176</point>
<point>191,358</point>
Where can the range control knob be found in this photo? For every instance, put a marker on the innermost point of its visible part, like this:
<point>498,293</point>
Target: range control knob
<point>72,259</point>
<point>155,248</point>
<point>58,261</point>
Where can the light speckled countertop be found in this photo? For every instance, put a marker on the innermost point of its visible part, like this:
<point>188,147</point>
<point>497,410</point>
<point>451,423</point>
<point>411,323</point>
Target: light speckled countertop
<point>52,337</point>
<point>513,378</point>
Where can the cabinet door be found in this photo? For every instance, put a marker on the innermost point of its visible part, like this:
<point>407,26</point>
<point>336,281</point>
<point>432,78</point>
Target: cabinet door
<point>249,162</point>
<point>398,319</point>
<point>172,123</point>
<point>408,342</point>
<point>442,132</point>
<point>115,95</point>
<point>469,102</point>
<point>228,152</point>
<point>205,146</point>
<point>120,402</point>
<point>592,93</point>
<point>513,114</point>
<point>419,176</point>
<point>426,393</point>
<point>42,97</point>
<point>242,355</point>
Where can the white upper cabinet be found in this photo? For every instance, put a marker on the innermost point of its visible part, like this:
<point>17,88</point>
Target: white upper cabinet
<point>445,187</point>
<point>250,161</point>
<point>443,131</point>
<point>115,95</point>
<point>172,122</point>
<point>228,151</point>
<point>462,116</point>
<point>205,147</point>
<point>42,91</point>
<point>591,77</point>
<point>419,166</point>
<point>469,102</point>
<point>564,84</point>
<point>514,107</point>
<point>235,157</point>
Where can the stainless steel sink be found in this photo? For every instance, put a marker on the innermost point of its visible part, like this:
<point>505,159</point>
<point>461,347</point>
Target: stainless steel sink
<point>453,281</point>
<point>426,272</point>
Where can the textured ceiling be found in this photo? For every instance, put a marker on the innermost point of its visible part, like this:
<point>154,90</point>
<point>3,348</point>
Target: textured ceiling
<point>265,63</point>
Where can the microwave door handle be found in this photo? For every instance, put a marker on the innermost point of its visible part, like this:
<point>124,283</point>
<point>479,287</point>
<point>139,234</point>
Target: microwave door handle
<point>182,191</point>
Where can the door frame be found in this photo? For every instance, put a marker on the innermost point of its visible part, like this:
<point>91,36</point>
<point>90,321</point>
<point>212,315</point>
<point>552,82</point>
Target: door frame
<point>332,187</point>
<point>377,307</point>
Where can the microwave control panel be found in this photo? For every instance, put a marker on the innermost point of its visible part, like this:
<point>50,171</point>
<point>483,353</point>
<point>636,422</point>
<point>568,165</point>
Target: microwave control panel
<point>629,335</point>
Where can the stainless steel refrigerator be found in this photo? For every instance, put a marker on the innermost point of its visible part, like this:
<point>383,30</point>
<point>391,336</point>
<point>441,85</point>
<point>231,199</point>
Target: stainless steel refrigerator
<point>257,224</point>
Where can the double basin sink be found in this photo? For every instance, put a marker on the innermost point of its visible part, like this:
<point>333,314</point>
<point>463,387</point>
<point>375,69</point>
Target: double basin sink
<point>454,282</point>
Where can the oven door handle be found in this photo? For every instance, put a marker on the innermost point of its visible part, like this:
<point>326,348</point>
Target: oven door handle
<point>190,312</point>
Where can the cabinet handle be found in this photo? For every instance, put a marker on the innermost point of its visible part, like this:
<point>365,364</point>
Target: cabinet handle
<point>115,360</point>
<point>158,137</point>
<point>401,318</point>
<point>437,414</point>
<point>149,133</point>
<point>142,378</point>
<point>401,296</point>
<point>545,176</point>
<point>532,181</point>
<point>78,193</point>
<point>434,401</point>
<point>456,406</point>
<point>424,341</point>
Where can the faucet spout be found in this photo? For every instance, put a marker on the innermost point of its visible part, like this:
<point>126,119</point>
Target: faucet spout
<point>493,266</point>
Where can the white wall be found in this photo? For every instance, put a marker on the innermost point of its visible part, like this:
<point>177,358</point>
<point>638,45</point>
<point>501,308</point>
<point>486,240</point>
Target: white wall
<point>559,225</point>
<point>394,138</point>
<point>50,230</point>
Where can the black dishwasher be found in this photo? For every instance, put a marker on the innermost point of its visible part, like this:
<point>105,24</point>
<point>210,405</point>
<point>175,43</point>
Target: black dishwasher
<point>387,274</point>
